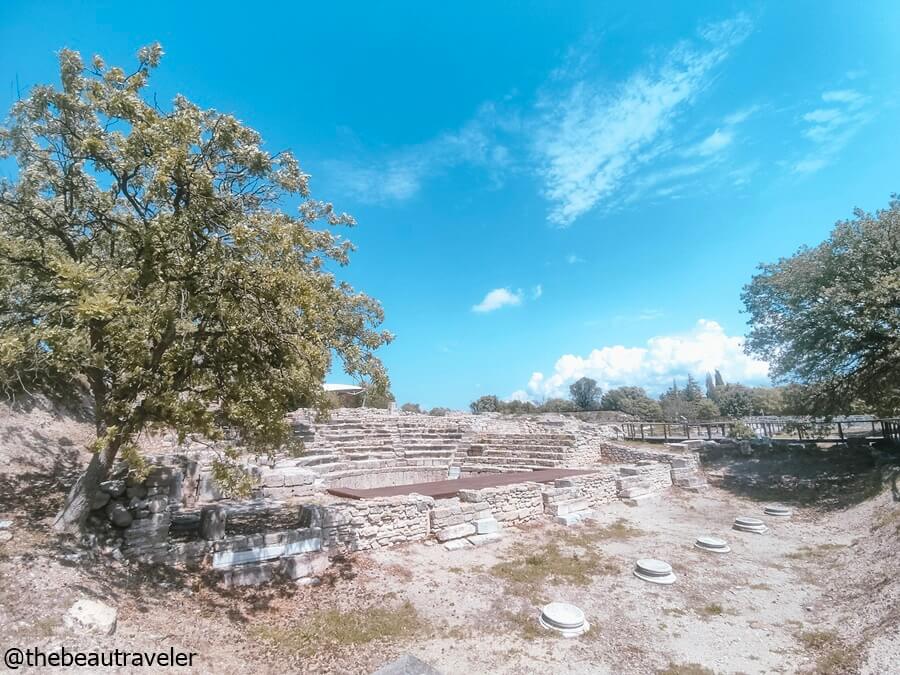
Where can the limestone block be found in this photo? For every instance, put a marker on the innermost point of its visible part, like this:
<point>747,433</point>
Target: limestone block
<point>250,575</point>
<point>486,525</point>
<point>456,544</point>
<point>455,532</point>
<point>485,539</point>
<point>95,616</point>
<point>212,523</point>
<point>304,565</point>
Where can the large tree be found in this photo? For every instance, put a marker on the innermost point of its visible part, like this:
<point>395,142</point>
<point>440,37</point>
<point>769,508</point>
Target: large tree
<point>585,393</point>
<point>146,254</point>
<point>829,316</point>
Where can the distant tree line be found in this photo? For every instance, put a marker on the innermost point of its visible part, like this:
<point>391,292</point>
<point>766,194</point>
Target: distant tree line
<point>688,401</point>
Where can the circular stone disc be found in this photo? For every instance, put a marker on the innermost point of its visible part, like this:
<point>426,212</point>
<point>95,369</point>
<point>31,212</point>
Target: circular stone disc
<point>652,567</point>
<point>712,544</point>
<point>564,618</point>
<point>777,511</point>
<point>746,521</point>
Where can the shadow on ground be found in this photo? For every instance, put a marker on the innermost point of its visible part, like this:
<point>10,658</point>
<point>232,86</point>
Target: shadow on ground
<point>828,479</point>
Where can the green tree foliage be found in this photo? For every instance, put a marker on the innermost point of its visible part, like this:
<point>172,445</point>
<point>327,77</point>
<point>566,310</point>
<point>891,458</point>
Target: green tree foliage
<point>145,252</point>
<point>632,401</point>
<point>710,385</point>
<point>485,404</point>
<point>558,405</point>
<point>411,407</point>
<point>735,400</point>
<point>720,381</point>
<point>692,391</point>
<point>585,393</point>
<point>704,409</point>
<point>829,316</point>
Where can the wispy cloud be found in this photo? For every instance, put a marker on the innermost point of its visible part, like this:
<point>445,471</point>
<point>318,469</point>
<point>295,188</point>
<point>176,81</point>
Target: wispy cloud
<point>830,128</point>
<point>498,298</point>
<point>573,259</point>
<point>400,174</point>
<point>592,139</point>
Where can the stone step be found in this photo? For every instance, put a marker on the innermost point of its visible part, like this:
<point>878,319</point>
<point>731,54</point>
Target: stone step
<point>642,499</point>
<point>632,492</point>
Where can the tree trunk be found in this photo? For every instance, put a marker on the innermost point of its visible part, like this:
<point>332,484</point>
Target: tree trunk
<point>78,502</point>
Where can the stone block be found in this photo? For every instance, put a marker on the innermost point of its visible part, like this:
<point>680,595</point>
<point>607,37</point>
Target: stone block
<point>304,565</point>
<point>455,532</point>
<point>250,575</point>
<point>486,525</point>
<point>485,539</point>
<point>568,519</point>
<point>571,506</point>
<point>456,544</point>
<point>223,559</point>
<point>212,523</point>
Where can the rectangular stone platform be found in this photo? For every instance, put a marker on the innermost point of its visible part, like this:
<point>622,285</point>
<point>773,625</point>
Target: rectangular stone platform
<point>443,489</point>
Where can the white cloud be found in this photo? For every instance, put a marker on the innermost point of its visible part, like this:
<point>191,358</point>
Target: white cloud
<point>593,137</point>
<point>714,143</point>
<point>842,96</point>
<point>537,292</point>
<point>519,395</point>
<point>400,175</point>
<point>573,259</point>
<point>830,129</point>
<point>706,348</point>
<point>497,298</point>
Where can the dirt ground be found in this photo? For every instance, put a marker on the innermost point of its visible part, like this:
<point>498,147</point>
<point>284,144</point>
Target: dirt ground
<point>817,593</point>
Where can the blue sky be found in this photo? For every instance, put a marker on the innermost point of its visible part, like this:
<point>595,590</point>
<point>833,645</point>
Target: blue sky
<point>544,190</point>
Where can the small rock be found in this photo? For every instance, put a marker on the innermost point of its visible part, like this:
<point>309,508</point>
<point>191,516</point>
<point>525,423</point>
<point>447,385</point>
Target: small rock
<point>118,515</point>
<point>5,524</point>
<point>138,491</point>
<point>5,536</point>
<point>114,488</point>
<point>99,500</point>
<point>95,616</point>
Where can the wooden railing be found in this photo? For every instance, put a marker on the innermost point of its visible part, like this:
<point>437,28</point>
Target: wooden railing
<point>839,430</point>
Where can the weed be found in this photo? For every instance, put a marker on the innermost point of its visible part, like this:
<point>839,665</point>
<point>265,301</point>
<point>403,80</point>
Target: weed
<point>333,628</point>
<point>685,669</point>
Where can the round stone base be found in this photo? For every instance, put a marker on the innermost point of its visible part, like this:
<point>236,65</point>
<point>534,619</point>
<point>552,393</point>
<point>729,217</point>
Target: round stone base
<point>564,618</point>
<point>748,524</point>
<point>654,571</point>
<point>777,511</point>
<point>712,544</point>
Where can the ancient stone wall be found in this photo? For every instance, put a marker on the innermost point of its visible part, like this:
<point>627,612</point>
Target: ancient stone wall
<point>509,503</point>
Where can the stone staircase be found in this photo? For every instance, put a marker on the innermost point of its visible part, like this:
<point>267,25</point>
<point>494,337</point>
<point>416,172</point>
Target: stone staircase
<point>428,445</point>
<point>633,488</point>
<point>516,452</point>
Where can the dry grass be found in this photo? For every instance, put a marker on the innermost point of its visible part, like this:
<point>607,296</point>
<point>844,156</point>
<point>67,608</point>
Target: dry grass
<point>818,639</point>
<point>525,624</point>
<point>835,656</point>
<point>620,530</point>
<point>331,629</point>
<point>712,609</point>
<point>575,565</point>
<point>817,553</point>
<point>685,669</point>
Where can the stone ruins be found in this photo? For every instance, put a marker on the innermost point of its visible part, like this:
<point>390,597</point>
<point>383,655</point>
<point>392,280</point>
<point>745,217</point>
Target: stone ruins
<point>293,524</point>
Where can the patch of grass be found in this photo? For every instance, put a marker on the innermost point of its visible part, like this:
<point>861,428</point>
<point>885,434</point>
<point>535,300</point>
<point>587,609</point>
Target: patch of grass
<point>815,552</point>
<point>551,564</point>
<point>525,624</point>
<point>837,661</point>
<point>712,609</point>
<point>455,570</point>
<point>835,656</point>
<point>619,530</point>
<point>335,629</point>
<point>760,587</point>
<point>685,669</point>
<point>890,516</point>
<point>817,639</point>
